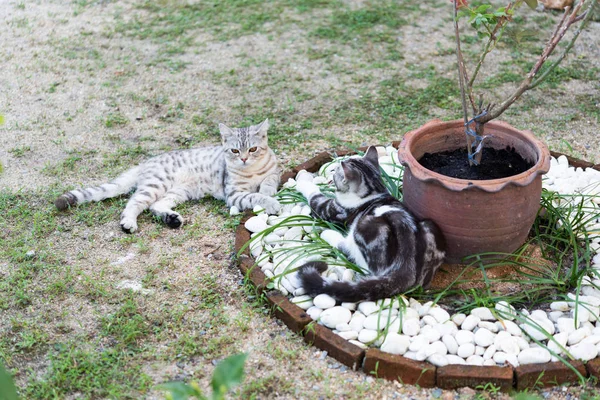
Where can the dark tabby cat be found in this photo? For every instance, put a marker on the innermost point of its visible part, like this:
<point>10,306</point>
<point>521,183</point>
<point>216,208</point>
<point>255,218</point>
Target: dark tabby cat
<point>397,251</point>
<point>243,171</point>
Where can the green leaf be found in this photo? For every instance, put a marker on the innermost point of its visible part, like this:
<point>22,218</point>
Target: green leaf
<point>1,119</point>
<point>532,4</point>
<point>7,387</point>
<point>228,373</point>
<point>483,8</point>
<point>180,390</point>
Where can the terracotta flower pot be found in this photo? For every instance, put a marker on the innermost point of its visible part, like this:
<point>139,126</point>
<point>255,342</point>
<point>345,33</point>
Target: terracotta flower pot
<point>475,216</point>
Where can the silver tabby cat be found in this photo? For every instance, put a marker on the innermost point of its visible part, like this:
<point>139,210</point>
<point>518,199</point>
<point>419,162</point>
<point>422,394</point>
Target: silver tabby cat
<point>243,171</point>
<point>396,251</point>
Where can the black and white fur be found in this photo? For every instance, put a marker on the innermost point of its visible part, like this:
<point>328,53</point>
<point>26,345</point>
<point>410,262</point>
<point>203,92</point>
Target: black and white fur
<point>396,250</point>
<point>243,171</point>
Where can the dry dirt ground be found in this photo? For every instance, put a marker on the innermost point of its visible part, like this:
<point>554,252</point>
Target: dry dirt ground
<point>89,88</point>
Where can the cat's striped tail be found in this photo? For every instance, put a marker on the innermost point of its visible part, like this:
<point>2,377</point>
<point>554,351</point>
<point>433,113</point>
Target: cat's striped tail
<point>118,186</point>
<point>369,288</point>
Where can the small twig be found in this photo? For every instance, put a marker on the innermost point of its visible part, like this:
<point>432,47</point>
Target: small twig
<point>212,251</point>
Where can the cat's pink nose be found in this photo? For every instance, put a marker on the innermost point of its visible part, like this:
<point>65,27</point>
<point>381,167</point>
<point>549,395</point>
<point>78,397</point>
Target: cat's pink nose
<point>244,160</point>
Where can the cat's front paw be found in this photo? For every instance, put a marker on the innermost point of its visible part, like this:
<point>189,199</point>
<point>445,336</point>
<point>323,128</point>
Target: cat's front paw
<point>271,206</point>
<point>128,225</point>
<point>332,237</point>
<point>304,176</point>
<point>307,188</point>
<point>173,220</point>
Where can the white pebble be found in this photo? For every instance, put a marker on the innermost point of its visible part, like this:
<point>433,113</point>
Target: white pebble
<point>534,356</point>
<point>368,307</point>
<point>475,360</point>
<point>490,326</point>
<point>453,359</point>
<point>463,337</point>
<point>566,325</point>
<point>314,312</point>
<point>438,360</point>
<point>304,302</point>
<point>484,337</point>
<point>489,352</point>
<point>559,306</point>
<point>411,327</point>
<point>505,310</point>
<point>359,344</point>
<point>584,351</point>
<point>418,342</point>
<point>458,319</point>
<point>470,323</point>
<point>578,335</point>
<point>509,345</point>
<point>466,350</point>
<point>357,321</point>
<point>234,211</point>
<point>395,344</point>
<point>349,306</point>
<point>333,316</point>
<point>367,336</point>
<point>255,224</point>
<point>450,343</point>
<point>348,335</point>
<point>439,314</point>
<point>324,301</point>
<point>483,313</point>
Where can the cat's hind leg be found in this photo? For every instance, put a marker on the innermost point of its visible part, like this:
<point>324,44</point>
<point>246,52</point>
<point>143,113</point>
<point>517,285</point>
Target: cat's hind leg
<point>163,208</point>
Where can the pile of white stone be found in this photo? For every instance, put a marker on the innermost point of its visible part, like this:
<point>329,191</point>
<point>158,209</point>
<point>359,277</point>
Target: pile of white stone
<point>498,336</point>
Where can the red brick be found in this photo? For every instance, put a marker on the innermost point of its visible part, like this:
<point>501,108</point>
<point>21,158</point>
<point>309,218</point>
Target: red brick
<point>293,316</point>
<point>336,346</point>
<point>242,235</point>
<point>549,374</point>
<point>252,272</point>
<point>456,376</point>
<point>593,368</point>
<point>402,369</point>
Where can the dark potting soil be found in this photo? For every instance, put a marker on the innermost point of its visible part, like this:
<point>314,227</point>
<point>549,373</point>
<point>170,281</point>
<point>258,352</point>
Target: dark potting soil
<point>495,164</point>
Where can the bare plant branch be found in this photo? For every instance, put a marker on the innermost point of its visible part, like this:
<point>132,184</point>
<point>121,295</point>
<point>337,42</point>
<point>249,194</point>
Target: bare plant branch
<point>561,29</point>
<point>462,75</point>
<point>585,17</point>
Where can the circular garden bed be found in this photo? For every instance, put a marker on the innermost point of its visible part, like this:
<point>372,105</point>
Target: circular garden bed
<point>465,332</point>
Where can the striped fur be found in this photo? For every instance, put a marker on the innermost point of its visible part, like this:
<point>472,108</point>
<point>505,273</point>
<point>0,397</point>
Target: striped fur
<point>395,250</point>
<point>243,171</point>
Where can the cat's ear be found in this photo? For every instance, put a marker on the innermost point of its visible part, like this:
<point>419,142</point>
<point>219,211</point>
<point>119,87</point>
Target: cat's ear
<point>262,128</point>
<point>372,156</point>
<point>225,130</point>
<point>347,169</point>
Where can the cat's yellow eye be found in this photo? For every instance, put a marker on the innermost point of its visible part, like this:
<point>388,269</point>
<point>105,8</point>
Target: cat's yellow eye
<point>252,149</point>
<point>235,151</point>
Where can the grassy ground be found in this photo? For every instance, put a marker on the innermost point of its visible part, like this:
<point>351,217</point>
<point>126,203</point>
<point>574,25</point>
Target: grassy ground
<point>92,87</point>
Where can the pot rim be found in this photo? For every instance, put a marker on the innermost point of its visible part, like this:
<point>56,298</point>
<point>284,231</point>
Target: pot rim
<point>541,167</point>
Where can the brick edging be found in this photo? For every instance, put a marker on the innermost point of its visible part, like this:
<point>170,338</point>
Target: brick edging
<point>394,367</point>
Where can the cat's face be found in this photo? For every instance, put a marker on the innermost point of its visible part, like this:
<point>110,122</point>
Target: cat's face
<point>359,175</point>
<point>244,146</point>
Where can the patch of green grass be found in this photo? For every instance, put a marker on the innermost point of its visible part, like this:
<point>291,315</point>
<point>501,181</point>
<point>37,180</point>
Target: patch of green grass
<point>174,21</point>
<point>89,372</point>
<point>19,151</point>
<point>127,325</point>
<point>396,105</point>
<point>589,105</point>
<point>115,119</point>
<point>376,21</point>
<point>266,387</point>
